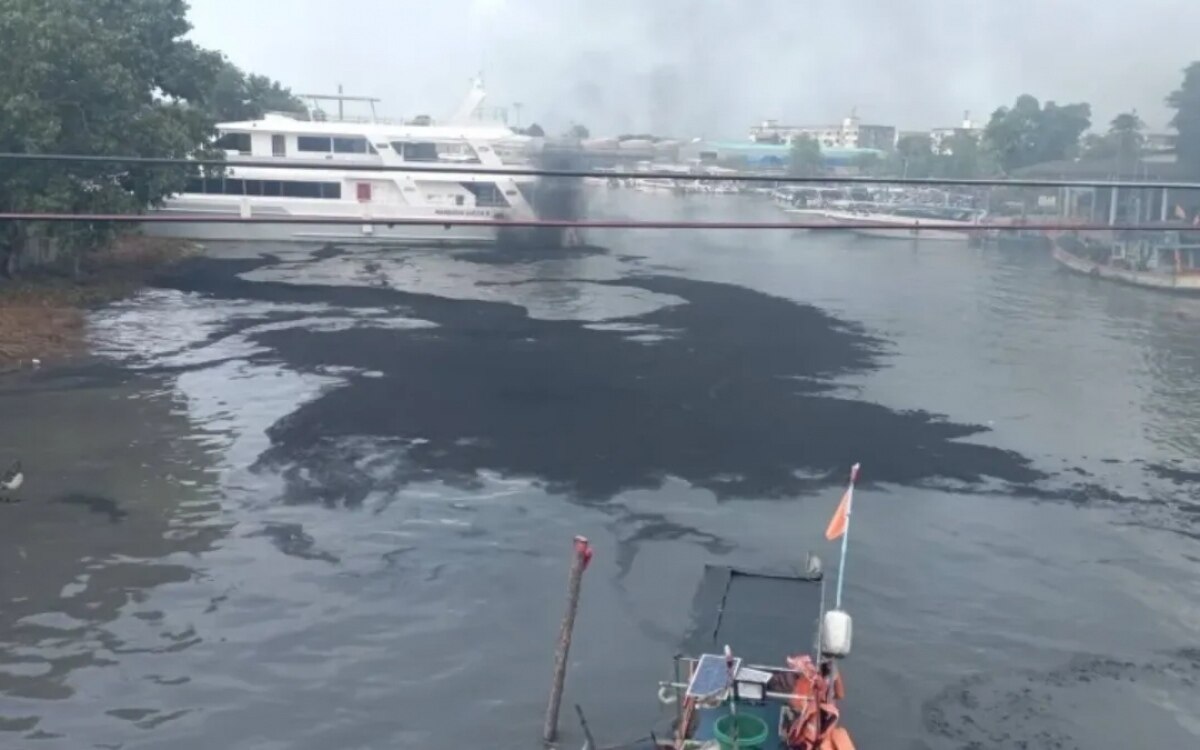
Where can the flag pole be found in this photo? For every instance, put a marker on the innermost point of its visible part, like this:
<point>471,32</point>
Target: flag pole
<point>837,602</point>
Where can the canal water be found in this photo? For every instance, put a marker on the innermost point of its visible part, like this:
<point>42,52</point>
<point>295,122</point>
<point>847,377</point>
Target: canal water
<point>323,497</point>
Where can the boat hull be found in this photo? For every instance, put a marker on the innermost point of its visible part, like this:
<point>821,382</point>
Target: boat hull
<point>312,230</point>
<point>811,216</point>
<point>888,227</point>
<point>912,233</point>
<point>1169,282</point>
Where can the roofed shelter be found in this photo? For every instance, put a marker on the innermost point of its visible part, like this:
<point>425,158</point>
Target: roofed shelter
<point>1117,205</point>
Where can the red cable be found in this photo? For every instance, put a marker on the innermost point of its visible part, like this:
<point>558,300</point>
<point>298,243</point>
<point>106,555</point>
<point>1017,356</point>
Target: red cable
<point>578,224</point>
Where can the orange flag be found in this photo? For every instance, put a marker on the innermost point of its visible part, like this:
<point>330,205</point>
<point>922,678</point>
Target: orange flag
<point>841,516</point>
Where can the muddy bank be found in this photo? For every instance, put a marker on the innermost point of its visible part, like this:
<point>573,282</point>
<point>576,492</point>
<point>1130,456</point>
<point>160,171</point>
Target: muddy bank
<point>42,311</point>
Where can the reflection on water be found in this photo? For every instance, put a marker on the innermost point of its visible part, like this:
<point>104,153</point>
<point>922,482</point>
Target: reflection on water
<point>548,290</point>
<point>113,511</point>
<point>339,488</point>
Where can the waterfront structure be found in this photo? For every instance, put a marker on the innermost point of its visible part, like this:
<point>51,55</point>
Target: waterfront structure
<point>850,133</point>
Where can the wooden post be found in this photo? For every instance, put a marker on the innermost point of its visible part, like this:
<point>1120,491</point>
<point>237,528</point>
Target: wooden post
<point>582,556</point>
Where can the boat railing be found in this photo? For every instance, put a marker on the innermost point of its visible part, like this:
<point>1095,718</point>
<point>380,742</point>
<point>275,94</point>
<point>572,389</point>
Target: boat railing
<point>787,697</point>
<point>359,119</point>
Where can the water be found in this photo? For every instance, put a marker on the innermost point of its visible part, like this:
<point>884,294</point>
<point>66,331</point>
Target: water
<point>322,499</point>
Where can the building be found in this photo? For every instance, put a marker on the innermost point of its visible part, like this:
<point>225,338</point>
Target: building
<point>849,134</point>
<point>1160,143</point>
<point>941,138</point>
<point>769,156</point>
<point>625,151</point>
<point>1116,204</point>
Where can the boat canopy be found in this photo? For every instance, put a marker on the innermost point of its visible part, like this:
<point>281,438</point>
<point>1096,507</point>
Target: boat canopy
<point>764,617</point>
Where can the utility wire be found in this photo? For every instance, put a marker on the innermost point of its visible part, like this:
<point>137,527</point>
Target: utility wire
<point>479,169</point>
<point>450,221</point>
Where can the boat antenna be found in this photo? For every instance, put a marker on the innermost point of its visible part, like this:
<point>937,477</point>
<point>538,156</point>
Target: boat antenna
<point>839,525</point>
<point>733,697</point>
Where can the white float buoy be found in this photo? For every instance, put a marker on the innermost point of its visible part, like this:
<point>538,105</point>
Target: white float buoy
<point>836,633</point>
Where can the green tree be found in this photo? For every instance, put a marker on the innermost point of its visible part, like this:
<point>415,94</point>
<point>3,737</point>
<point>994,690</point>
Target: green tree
<point>237,96</point>
<point>913,157</point>
<point>869,163</point>
<point>1186,102</point>
<point>88,77</point>
<point>1123,141</point>
<point>964,158</point>
<point>1029,133</point>
<point>578,131</point>
<point>1097,146</point>
<point>1059,130</point>
<point>535,131</point>
<point>805,158</point>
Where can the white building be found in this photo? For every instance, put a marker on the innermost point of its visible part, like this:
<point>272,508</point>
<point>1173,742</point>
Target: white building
<point>941,138</point>
<point>850,133</point>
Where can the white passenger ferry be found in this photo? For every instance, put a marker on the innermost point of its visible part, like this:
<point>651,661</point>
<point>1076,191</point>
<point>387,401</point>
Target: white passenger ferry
<point>463,144</point>
<point>905,222</point>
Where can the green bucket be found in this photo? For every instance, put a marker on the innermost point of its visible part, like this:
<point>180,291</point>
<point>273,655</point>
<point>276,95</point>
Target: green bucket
<point>751,732</point>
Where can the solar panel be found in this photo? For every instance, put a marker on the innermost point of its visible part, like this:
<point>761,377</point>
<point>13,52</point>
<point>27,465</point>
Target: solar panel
<point>758,676</point>
<point>711,677</point>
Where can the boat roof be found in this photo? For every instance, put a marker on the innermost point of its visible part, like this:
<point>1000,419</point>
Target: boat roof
<point>374,130</point>
<point>763,616</point>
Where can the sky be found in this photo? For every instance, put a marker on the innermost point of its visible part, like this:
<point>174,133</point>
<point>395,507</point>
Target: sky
<point>713,68</point>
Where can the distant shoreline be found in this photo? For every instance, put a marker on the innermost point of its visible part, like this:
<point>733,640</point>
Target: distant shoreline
<point>43,312</point>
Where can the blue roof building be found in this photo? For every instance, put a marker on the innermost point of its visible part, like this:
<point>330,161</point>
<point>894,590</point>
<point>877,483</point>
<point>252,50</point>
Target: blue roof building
<point>768,155</point>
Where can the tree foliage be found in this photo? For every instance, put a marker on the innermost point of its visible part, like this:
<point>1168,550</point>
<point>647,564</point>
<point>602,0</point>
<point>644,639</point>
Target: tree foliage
<point>97,77</point>
<point>533,131</point>
<point>236,95</point>
<point>578,131</point>
<point>107,77</point>
<point>1030,133</point>
<point>964,157</point>
<point>869,164</point>
<point>1186,102</point>
<point>961,156</point>
<point>805,157</point>
<point>1123,141</point>
<point>914,156</point>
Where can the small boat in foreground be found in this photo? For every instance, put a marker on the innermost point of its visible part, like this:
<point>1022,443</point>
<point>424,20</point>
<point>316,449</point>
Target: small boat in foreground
<point>734,694</point>
<point>1159,261</point>
<point>733,699</point>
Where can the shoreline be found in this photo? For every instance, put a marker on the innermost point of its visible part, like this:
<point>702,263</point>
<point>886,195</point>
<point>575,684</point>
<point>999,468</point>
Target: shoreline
<point>43,312</point>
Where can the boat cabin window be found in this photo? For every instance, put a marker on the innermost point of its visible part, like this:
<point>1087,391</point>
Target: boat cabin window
<point>314,144</point>
<point>239,142</point>
<point>419,151</point>
<point>335,145</point>
<point>351,146</point>
<point>269,188</point>
<point>301,189</point>
<point>487,194</point>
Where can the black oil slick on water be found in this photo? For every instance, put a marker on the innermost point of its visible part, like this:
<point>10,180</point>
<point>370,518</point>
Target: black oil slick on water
<point>339,483</point>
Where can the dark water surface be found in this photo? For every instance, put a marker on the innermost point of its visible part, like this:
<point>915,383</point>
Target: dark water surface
<point>323,498</point>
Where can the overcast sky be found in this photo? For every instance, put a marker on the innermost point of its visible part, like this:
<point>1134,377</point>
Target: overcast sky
<point>714,67</point>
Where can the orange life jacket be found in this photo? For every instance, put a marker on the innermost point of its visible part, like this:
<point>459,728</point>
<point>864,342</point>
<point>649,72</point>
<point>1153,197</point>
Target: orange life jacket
<point>815,726</point>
